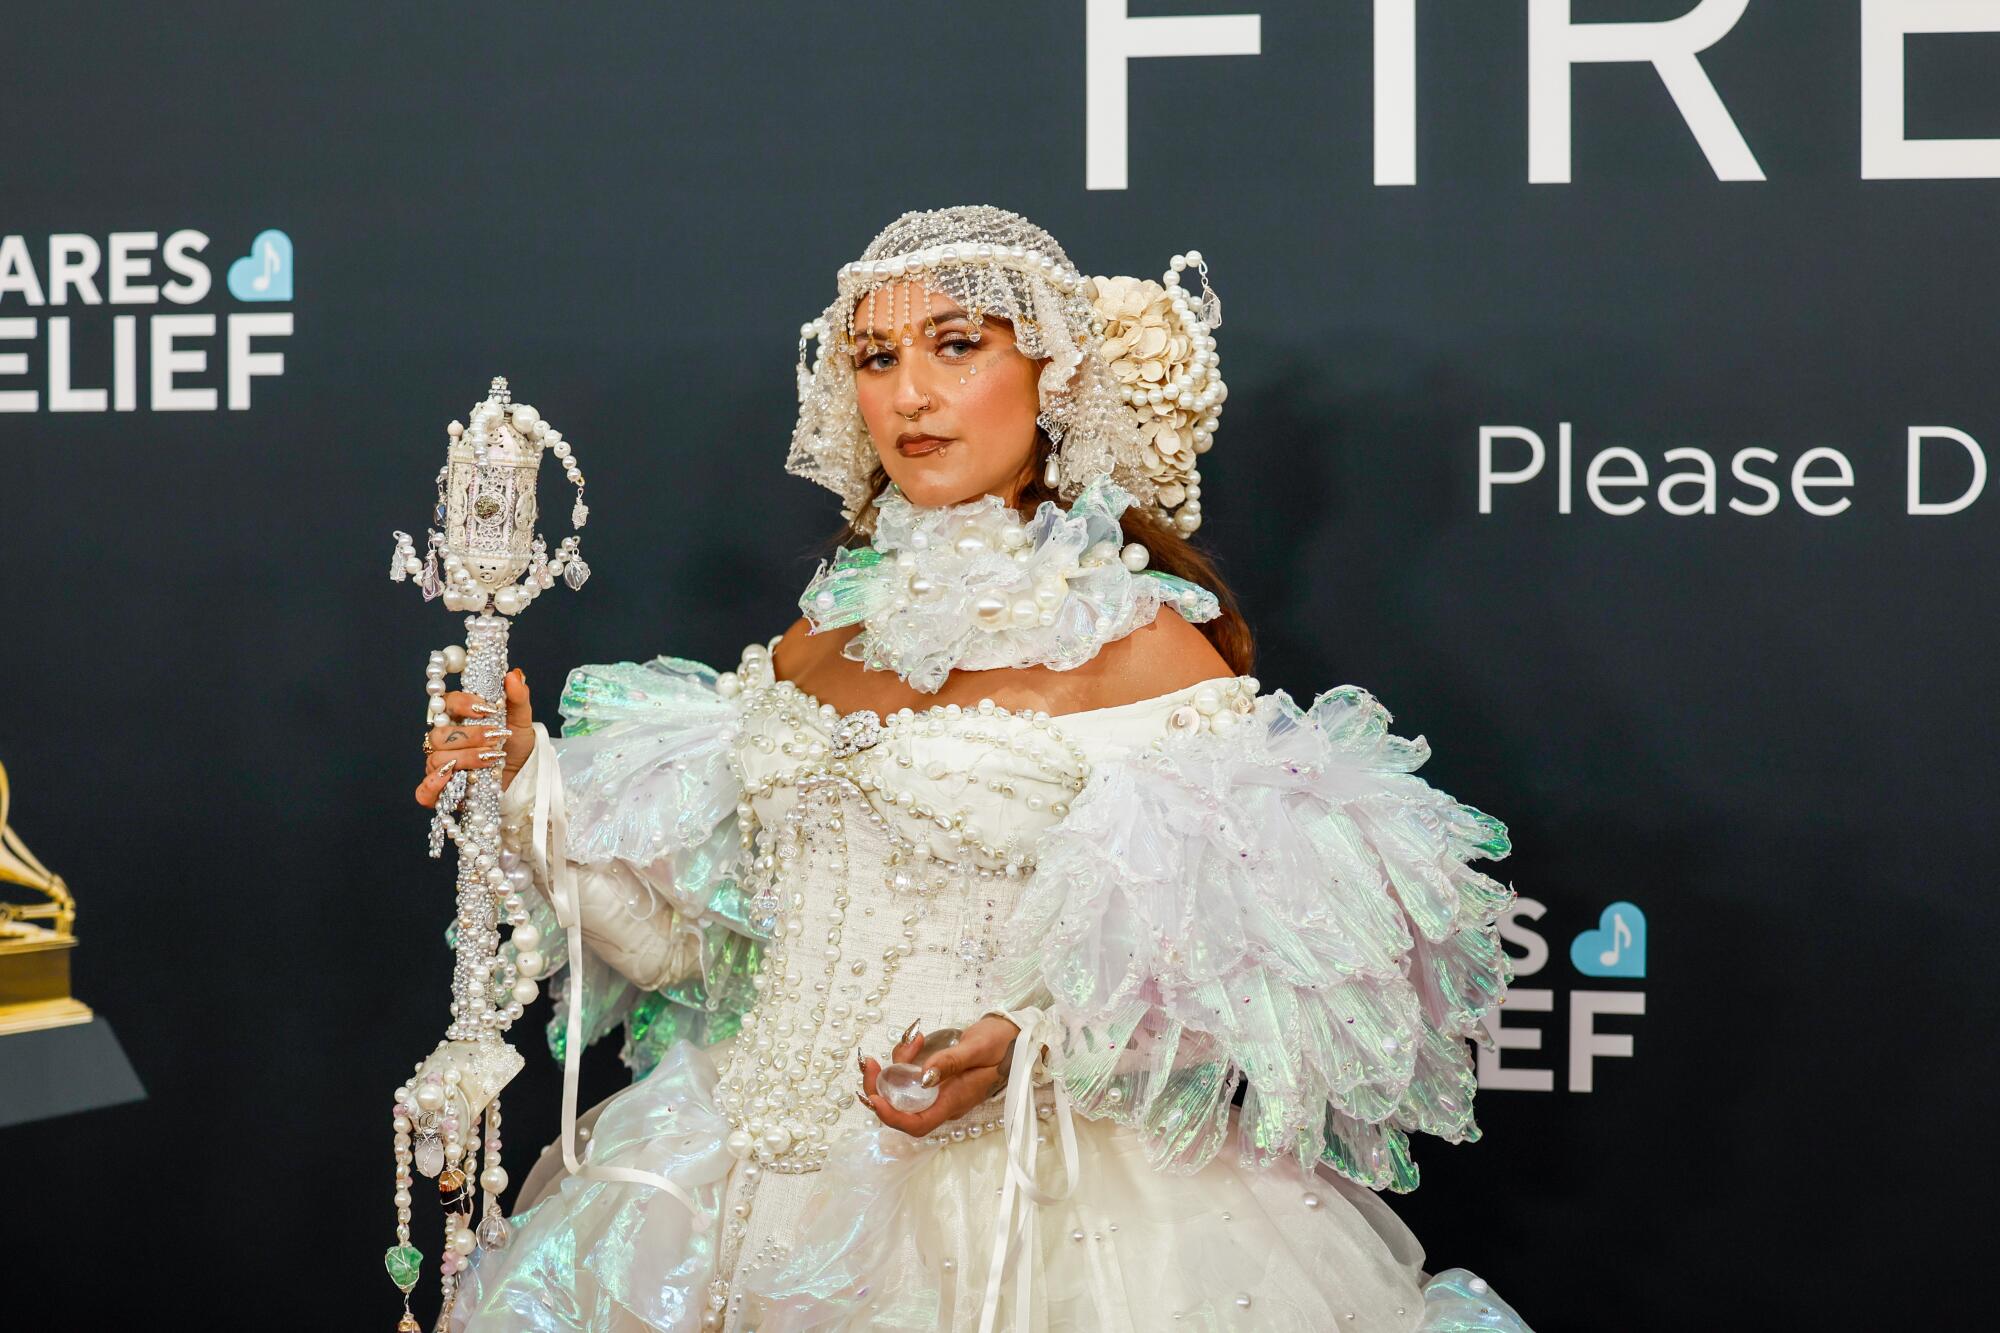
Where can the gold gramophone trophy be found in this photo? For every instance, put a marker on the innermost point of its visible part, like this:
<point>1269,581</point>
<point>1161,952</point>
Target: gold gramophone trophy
<point>34,956</point>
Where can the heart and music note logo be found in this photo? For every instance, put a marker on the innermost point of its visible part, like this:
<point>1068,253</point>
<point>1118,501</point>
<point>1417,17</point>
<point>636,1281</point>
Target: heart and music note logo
<point>265,274</point>
<point>1617,948</point>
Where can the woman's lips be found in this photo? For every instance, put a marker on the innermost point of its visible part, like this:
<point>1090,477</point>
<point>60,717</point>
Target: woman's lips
<point>916,445</point>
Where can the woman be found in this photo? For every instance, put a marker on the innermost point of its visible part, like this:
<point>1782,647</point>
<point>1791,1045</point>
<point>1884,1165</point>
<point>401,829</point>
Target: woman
<point>1008,777</point>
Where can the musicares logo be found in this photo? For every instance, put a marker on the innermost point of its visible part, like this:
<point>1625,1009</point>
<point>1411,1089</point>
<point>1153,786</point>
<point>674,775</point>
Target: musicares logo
<point>1614,949</point>
<point>79,355</point>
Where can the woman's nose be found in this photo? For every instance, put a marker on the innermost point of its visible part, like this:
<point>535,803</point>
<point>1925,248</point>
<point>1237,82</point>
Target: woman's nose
<point>912,394</point>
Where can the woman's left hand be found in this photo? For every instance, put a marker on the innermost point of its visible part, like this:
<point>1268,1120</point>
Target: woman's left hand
<point>969,1069</point>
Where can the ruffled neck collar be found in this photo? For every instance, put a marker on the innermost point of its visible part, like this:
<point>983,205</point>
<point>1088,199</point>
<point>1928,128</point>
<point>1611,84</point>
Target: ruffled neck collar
<point>974,587</point>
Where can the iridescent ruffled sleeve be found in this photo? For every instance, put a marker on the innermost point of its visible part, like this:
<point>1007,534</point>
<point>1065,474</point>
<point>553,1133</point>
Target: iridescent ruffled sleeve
<point>1278,903</point>
<point>650,801</point>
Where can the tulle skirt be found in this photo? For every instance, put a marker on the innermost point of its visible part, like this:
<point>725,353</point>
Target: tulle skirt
<point>899,1235</point>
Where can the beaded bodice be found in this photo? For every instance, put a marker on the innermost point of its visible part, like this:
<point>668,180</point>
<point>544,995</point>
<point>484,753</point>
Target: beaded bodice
<point>882,855</point>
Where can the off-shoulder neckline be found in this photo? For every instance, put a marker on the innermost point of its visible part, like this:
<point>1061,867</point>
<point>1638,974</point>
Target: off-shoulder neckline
<point>819,704</point>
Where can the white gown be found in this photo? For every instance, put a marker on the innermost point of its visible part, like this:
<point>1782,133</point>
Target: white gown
<point>1173,897</point>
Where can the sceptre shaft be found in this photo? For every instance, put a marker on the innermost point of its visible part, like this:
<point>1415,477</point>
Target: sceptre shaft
<point>450,1109</point>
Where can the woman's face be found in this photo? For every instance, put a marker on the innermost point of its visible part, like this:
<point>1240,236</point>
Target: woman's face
<point>975,401</point>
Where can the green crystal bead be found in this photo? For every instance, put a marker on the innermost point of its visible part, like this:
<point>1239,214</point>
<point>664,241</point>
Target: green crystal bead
<point>405,1264</point>
<point>862,557</point>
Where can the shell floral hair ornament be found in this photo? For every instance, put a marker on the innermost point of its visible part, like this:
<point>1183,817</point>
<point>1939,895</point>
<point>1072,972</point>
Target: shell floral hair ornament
<point>1131,389</point>
<point>1160,345</point>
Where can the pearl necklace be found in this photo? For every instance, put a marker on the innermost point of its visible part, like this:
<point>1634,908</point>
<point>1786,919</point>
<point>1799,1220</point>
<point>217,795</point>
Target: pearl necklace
<point>974,586</point>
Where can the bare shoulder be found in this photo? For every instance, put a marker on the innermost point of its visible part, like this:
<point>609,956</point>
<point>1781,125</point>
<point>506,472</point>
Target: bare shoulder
<point>791,645</point>
<point>812,658</point>
<point>1166,655</point>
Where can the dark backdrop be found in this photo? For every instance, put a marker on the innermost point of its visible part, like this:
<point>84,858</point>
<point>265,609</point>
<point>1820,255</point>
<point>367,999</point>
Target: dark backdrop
<point>1769,734</point>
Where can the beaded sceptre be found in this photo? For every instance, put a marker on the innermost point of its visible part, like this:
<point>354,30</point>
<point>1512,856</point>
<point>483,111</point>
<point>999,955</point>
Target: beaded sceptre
<point>449,1109</point>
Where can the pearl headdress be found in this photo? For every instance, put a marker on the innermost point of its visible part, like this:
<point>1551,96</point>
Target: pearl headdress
<point>1130,391</point>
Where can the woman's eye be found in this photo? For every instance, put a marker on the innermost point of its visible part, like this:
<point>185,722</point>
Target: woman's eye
<point>959,345</point>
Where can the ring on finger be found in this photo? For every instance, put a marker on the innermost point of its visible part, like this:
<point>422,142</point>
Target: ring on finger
<point>427,742</point>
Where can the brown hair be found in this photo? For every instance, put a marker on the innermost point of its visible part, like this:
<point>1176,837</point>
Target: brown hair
<point>1169,551</point>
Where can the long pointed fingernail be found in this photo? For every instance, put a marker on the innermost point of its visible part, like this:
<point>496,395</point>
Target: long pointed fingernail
<point>861,1063</point>
<point>863,1100</point>
<point>931,1078</point>
<point>909,1032</point>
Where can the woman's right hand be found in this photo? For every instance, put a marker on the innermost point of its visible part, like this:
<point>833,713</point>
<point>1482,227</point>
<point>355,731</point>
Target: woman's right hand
<point>472,738</point>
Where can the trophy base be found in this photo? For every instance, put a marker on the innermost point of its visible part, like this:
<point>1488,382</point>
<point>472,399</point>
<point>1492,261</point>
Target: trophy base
<point>54,1071</point>
<point>34,980</point>
<point>43,1014</point>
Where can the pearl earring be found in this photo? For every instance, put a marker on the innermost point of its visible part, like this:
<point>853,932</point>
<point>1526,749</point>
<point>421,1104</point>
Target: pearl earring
<point>1050,473</point>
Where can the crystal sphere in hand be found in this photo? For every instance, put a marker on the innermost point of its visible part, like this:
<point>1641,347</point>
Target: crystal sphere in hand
<point>902,1087</point>
<point>901,1083</point>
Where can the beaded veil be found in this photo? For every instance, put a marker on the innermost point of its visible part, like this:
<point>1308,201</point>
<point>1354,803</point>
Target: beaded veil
<point>1129,391</point>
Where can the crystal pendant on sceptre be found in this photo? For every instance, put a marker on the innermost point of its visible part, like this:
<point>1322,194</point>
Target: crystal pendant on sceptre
<point>494,565</point>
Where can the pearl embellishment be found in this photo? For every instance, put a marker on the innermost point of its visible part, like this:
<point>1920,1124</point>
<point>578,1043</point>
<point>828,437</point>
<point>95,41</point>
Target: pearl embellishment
<point>822,779</point>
